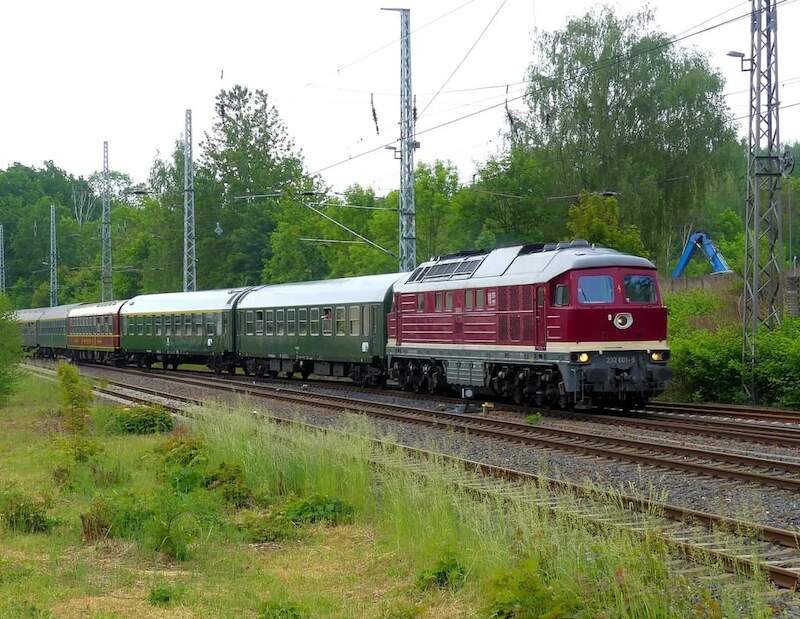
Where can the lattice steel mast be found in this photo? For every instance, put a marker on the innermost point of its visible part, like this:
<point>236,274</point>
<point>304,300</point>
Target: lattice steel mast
<point>53,258</point>
<point>106,272</point>
<point>763,259</point>
<point>408,211</point>
<point>2,262</point>
<point>189,258</point>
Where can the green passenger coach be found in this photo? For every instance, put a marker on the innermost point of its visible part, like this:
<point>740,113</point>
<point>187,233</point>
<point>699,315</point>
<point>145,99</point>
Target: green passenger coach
<point>332,328</point>
<point>181,327</point>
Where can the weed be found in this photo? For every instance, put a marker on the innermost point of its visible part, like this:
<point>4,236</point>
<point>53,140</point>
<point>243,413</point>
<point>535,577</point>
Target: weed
<point>230,480</point>
<point>185,479</point>
<point>268,527</point>
<point>76,393</point>
<point>182,448</point>
<point>446,574</point>
<point>103,476</point>
<point>118,516</point>
<point>162,595</point>
<point>319,509</point>
<point>82,449</point>
<point>281,610</point>
<point>140,420</point>
<point>174,525</point>
<point>96,524</point>
<point>520,593</point>
<point>20,512</point>
<point>534,419</point>
<point>61,475</point>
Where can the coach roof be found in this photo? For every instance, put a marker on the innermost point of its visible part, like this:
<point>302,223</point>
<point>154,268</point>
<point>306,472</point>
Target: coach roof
<point>104,308</point>
<point>366,289</point>
<point>183,302</point>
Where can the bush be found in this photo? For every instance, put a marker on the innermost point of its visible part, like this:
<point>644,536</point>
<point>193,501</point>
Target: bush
<point>230,481</point>
<point>117,516</point>
<point>269,527</point>
<point>182,448</point>
<point>447,573</point>
<point>534,419</point>
<point>141,420</point>
<point>20,512</point>
<point>281,610</point>
<point>319,509</point>
<point>76,393</point>
<point>163,595</point>
<point>520,593</point>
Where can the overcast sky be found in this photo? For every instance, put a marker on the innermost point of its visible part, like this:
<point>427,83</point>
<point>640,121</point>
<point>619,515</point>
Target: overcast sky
<point>80,72</point>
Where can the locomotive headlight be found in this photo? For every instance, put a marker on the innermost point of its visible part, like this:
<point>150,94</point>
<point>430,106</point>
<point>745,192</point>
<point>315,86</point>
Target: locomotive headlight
<point>583,357</point>
<point>659,356</point>
<point>656,356</point>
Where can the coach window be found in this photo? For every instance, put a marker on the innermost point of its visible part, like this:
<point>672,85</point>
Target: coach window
<point>148,325</point>
<point>222,321</point>
<point>302,321</point>
<point>270,322</point>
<point>420,302</point>
<point>561,295</point>
<point>448,302</point>
<point>291,321</point>
<point>168,325</point>
<point>327,321</point>
<point>140,325</point>
<point>355,320</point>
<point>314,315</point>
<point>438,306</point>
<point>157,320</point>
<point>341,323</point>
<point>198,324</point>
<point>259,322</point>
<point>280,322</point>
<point>365,320</point>
<point>248,322</point>
<point>211,324</point>
<point>187,324</point>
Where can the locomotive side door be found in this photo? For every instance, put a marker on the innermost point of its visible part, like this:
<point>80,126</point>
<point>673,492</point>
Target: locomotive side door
<point>540,326</point>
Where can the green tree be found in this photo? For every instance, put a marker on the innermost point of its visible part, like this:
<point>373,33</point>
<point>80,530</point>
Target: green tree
<point>10,348</point>
<point>614,106</point>
<point>595,218</point>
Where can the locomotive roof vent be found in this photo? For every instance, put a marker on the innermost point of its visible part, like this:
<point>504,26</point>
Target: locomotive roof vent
<point>549,247</point>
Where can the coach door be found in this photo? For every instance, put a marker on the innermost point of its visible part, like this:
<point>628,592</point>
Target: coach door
<point>539,317</point>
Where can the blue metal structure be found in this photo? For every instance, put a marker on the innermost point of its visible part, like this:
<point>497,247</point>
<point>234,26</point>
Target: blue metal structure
<point>702,241</point>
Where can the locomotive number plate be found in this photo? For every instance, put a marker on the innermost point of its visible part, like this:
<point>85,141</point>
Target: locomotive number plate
<point>619,360</point>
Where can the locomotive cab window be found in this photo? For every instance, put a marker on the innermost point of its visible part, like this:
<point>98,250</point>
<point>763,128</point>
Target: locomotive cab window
<point>595,289</point>
<point>640,289</point>
<point>561,295</point>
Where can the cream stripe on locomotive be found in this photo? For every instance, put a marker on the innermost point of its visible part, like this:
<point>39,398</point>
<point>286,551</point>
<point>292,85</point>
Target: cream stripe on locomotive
<point>562,347</point>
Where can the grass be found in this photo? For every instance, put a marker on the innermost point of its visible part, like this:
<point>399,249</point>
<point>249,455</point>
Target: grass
<point>239,518</point>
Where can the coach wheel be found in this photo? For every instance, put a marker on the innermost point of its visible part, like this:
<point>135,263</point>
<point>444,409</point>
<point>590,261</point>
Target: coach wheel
<point>517,395</point>
<point>175,364</point>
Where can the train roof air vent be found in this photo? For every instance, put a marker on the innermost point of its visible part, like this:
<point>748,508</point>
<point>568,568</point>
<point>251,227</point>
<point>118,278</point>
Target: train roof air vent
<point>580,243</point>
<point>549,247</point>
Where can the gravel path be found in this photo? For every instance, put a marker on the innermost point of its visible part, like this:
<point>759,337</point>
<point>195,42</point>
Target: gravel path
<point>771,506</point>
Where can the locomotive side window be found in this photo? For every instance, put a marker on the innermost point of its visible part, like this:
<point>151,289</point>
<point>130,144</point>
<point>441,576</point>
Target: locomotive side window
<point>595,289</point>
<point>640,289</point>
<point>561,295</point>
<point>468,296</point>
<point>480,299</point>
<point>420,302</point>
<point>302,321</point>
<point>438,306</point>
<point>448,302</point>
<point>340,321</point>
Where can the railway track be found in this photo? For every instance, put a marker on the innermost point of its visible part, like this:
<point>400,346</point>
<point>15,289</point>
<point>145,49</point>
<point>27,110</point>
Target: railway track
<point>737,546</point>
<point>666,456</point>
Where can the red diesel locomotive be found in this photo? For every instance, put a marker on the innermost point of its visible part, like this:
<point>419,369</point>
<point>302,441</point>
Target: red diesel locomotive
<point>559,324</point>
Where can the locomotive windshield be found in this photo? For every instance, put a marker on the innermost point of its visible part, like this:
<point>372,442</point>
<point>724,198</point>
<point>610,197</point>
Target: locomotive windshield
<point>640,289</point>
<point>595,289</point>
